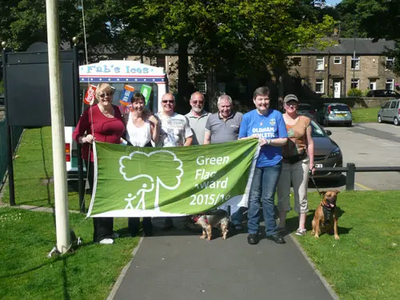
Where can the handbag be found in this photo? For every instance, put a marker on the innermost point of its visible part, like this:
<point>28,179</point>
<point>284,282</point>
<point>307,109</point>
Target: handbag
<point>296,158</point>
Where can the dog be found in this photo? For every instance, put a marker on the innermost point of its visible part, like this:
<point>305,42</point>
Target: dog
<point>326,215</point>
<point>213,219</point>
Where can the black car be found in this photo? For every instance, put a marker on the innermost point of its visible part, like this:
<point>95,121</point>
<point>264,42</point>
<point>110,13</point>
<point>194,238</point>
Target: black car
<point>305,108</point>
<point>327,153</point>
<point>382,93</point>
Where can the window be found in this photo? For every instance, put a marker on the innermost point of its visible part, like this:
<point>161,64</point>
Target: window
<point>390,84</point>
<point>337,60</point>
<point>296,61</point>
<point>393,104</point>
<point>372,84</point>
<point>319,86</point>
<point>320,62</point>
<point>389,63</point>
<point>355,63</point>
<point>387,105</point>
<point>202,87</point>
<point>355,83</point>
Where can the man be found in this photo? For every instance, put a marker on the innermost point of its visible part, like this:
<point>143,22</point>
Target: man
<point>269,127</point>
<point>175,132</point>
<point>197,117</point>
<point>222,127</point>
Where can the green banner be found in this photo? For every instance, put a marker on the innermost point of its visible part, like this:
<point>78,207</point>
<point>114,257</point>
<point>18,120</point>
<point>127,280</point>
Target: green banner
<point>145,90</point>
<point>174,181</point>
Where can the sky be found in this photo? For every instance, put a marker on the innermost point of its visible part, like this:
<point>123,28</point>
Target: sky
<point>333,2</point>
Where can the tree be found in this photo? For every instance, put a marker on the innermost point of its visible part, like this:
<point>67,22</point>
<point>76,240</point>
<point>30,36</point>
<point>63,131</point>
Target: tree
<point>375,19</point>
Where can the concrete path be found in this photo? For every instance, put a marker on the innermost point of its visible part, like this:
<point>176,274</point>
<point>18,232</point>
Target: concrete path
<point>178,265</point>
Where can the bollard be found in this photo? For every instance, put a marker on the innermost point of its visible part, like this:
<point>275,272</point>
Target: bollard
<point>350,177</point>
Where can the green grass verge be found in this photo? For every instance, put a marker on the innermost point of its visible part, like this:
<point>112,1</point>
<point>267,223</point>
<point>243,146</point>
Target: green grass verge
<point>32,167</point>
<point>27,273</point>
<point>365,262</point>
<point>365,114</point>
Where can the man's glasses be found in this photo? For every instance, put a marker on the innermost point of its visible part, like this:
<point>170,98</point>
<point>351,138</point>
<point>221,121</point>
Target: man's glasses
<point>105,94</point>
<point>168,101</point>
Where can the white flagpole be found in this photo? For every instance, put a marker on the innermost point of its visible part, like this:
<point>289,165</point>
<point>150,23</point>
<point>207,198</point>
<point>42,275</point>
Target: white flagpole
<point>57,128</point>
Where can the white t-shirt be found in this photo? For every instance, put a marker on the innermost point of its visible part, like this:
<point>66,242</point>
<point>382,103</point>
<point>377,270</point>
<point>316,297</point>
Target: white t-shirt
<point>138,136</point>
<point>174,130</point>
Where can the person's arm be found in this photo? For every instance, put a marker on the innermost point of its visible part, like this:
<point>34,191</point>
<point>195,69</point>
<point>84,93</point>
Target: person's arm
<point>155,128</point>
<point>188,133</point>
<point>243,128</point>
<point>83,126</point>
<point>207,137</point>
<point>310,148</point>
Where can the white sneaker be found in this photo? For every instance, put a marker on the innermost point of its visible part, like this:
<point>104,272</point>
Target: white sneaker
<point>301,232</point>
<point>106,241</point>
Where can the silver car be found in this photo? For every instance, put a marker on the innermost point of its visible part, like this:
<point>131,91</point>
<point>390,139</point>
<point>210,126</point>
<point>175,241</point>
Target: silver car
<point>390,112</point>
<point>335,113</point>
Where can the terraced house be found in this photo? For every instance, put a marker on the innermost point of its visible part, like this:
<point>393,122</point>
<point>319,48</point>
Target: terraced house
<point>350,63</point>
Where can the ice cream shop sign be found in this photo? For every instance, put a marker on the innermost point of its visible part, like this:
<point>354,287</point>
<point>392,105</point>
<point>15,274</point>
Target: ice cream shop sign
<point>119,67</point>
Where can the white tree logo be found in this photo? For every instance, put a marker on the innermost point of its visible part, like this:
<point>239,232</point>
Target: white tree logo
<point>152,172</point>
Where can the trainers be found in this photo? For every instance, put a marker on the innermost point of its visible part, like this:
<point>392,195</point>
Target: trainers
<point>301,232</point>
<point>106,241</point>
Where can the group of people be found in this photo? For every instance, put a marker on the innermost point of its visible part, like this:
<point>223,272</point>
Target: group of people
<point>286,151</point>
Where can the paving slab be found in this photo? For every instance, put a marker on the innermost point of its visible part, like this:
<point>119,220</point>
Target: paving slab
<point>179,265</point>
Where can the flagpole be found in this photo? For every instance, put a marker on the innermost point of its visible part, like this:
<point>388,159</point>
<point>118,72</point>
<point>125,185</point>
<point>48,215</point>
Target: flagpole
<point>57,128</point>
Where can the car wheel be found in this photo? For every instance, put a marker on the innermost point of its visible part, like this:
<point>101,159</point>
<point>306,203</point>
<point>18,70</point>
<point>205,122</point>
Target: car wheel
<point>396,122</point>
<point>349,124</point>
<point>379,119</point>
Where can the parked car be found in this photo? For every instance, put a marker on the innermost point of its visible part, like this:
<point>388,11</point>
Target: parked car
<point>382,93</point>
<point>335,113</point>
<point>305,108</point>
<point>327,153</point>
<point>390,112</point>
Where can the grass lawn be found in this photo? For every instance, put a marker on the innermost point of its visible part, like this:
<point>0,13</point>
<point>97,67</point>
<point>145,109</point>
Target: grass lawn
<point>26,273</point>
<point>365,114</point>
<point>363,264</point>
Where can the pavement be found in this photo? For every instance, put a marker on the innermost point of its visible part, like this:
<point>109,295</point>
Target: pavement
<point>177,264</point>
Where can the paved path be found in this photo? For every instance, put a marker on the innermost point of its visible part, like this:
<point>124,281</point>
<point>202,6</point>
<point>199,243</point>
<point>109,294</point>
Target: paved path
<point>178,265</point>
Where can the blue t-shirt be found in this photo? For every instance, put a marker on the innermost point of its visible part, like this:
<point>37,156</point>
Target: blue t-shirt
<point>269,126</point>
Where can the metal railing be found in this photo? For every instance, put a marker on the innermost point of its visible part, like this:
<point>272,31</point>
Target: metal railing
<point>351,170</point>
<point>15,136</point>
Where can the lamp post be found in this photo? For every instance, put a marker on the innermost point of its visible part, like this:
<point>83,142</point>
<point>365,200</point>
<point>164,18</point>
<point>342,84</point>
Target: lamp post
<point>354,53</point>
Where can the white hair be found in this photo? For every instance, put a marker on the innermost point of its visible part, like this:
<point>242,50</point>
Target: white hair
<point>224,97</point>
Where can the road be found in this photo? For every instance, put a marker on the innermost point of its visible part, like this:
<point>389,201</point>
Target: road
<point>369,145</point>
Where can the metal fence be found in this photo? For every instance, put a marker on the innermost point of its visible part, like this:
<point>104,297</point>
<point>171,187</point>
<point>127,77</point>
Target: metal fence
<point>351,170</point>
<point>16,132</point>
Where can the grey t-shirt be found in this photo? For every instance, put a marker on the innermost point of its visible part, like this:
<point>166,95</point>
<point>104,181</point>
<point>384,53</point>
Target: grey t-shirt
<point>198,125</point>
<point>174,130</point>
<point>224,131</point>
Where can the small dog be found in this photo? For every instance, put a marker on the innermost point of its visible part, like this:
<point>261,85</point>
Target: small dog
<point>212,219</point>
<point>326,215</point>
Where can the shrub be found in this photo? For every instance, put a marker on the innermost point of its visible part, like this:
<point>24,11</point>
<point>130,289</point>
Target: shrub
<point>355,93</point>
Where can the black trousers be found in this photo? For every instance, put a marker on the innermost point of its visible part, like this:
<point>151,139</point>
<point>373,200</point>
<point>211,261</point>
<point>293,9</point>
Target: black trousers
<point>133,226</point>
<point>103,227</point>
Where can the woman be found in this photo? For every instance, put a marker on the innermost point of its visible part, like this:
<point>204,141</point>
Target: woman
<point>101,122</point>
<point>141,129</point>
<point>298,163</point>
<point>268,126</point>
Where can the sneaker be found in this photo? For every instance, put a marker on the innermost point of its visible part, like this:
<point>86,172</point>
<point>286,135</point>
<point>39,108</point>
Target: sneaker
<point>106,241</point>
<point>301,232</point>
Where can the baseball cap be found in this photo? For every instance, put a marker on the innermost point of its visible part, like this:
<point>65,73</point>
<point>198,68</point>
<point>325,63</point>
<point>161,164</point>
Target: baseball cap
<point>290,97</point>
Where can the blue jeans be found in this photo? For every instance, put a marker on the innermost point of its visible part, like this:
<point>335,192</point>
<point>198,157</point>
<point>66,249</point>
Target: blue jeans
<point>262,191</point>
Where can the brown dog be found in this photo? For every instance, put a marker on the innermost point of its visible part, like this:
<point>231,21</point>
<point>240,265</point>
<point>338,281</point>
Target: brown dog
<point>212,219</point>
<point>326,215</point>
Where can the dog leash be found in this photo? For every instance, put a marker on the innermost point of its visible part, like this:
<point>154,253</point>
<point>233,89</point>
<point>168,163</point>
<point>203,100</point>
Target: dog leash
<point>312,179</point>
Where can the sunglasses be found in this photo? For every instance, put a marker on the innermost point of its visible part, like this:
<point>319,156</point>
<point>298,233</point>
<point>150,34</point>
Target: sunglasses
<point>105,94</point>
<point>168,101</point>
